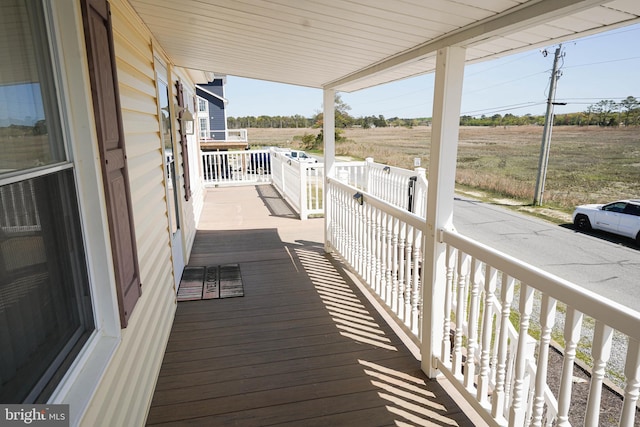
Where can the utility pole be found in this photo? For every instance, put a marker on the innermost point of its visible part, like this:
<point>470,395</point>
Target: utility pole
<point>546,133</point>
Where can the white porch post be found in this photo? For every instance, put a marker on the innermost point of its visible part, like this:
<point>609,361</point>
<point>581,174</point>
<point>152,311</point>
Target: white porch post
<point>328,130</point>
<point>442,170</point>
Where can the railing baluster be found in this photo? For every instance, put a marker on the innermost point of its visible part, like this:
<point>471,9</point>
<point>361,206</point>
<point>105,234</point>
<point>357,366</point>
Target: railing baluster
<point>631,390</point>
<point>519,392</point>
<point>572,327</point>
<point>401,289</point>
<point>389,257</point>
<point>394,264</point>
<point>406,308</point>
<point>417,283</point>
<point>461,296</point>
<point>475,281</point>
<point>601,351</point>
<point>547,320</point>
<point>484,379</point>
<point>499,398</point>
<point>445,354</point>
<point>370,235</point>
<point>379,242</point>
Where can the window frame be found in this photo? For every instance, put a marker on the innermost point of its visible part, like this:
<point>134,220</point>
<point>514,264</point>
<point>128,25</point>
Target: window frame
<point>64,27</point>
<point>202,101</point>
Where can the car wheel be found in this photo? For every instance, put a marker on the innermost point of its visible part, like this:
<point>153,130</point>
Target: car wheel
<point>582,223</point>
<point>638,239</point>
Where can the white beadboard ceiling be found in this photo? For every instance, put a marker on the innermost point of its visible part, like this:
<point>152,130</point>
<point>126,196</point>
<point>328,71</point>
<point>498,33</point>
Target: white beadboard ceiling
<point>349,45</point>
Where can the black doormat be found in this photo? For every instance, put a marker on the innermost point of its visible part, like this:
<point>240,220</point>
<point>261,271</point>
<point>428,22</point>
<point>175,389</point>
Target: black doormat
<point>211,282</point>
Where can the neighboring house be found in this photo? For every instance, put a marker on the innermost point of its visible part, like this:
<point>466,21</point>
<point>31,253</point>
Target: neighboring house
<point>212,118</point>
<point>211,110</point>
<point>93,234</point>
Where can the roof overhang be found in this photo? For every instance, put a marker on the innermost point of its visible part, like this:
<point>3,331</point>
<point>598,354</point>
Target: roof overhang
<point>347,46</point>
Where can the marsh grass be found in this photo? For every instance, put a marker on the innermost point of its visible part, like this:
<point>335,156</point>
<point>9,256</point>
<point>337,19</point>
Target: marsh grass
<point>586,164</point>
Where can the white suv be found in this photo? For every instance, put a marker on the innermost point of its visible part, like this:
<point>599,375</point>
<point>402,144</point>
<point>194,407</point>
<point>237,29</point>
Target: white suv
<point>621,217</point>
<point>300,156</point>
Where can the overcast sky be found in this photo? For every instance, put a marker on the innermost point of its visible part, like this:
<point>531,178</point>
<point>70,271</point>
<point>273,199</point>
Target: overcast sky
<point>602,66</point>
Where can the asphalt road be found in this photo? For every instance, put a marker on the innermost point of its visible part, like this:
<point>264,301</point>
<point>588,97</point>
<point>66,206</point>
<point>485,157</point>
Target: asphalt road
<point>601,262</point>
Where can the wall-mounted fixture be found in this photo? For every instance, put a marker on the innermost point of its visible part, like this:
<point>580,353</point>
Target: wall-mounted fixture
<point>186,120</point>
<point>359,198</point>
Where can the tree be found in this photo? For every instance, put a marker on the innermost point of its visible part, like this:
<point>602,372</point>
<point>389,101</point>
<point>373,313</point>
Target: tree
<point>343,119</point>
<point>630,105</point>
<point>604,111</point>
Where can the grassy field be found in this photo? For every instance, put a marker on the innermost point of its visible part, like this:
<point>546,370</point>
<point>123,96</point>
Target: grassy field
<point>586,164</point>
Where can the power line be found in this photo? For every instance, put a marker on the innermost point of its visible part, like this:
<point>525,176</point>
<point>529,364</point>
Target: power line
<point>502,108</point>
<point>502,64</point>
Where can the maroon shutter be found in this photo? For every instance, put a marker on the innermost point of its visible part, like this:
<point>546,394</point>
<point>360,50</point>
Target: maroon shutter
<point>106,105</point>
<point>183,143</point>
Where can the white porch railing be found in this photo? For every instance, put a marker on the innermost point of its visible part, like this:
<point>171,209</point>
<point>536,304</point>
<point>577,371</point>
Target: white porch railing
<point>236,167</point>
<point>491,299</point>
<point>501,375</point>
<point>382,244</point>
<point>232,135</point>
<point>301,184</point>
<point>403,188</point>
<point>18,208</point>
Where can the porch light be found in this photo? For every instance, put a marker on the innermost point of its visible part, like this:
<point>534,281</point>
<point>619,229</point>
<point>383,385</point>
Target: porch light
<point>359,198</point>
<point>186,120</point>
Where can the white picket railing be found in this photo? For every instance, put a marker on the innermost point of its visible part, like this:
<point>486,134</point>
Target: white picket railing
<point>382,244</point>
<point>502,376</point>
<point>236,167</point>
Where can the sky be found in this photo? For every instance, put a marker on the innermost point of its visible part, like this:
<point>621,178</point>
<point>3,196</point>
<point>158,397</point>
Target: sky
<point>604,66</point>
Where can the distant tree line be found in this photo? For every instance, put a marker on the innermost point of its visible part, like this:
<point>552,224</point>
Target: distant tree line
<point>606,113</point>
<point>39,128</point>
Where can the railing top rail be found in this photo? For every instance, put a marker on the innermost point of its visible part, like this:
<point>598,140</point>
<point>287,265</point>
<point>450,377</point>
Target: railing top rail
<point>394,169</point>
<point>402,214</point>
<point>222,153</point>
<point>619,317</point>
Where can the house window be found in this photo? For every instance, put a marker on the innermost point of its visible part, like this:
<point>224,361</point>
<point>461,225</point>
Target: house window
<point>45,305</point>
<point>202,105</point>
<point>204,127</point>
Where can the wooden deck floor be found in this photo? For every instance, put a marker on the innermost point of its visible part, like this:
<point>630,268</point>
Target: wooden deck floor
<point>302,347</point>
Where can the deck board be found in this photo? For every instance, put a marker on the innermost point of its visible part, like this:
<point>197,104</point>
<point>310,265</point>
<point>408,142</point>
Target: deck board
<point>303,346</point>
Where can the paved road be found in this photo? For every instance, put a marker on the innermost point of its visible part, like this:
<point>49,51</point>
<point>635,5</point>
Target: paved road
<point>597,261</point>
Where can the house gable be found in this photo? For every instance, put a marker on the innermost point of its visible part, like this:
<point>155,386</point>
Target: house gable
<point>213,93</point>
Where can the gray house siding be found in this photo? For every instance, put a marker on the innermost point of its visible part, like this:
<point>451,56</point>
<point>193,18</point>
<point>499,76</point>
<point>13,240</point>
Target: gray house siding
<point>217,119</point>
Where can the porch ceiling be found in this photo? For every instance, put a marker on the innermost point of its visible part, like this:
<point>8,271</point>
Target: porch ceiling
<point>353,44</point>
